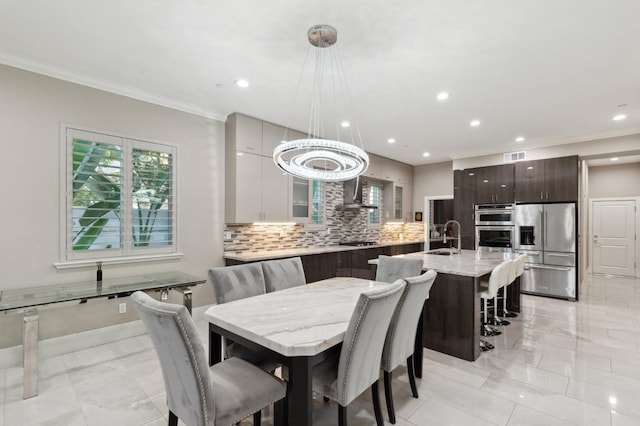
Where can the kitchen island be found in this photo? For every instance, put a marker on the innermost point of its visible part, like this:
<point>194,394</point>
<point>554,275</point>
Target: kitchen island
<point>451,317</point>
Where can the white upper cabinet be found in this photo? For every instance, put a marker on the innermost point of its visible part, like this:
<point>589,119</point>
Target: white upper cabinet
<point>395,171</point>
<point>255,188</point>
<point>272,135</point>
<point>373,171</point>
<point>247,192</point>
<point>247,133</point>
<point>275,194</point>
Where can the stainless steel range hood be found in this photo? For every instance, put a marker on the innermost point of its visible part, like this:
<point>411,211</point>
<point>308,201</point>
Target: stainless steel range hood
<point>353,196</point>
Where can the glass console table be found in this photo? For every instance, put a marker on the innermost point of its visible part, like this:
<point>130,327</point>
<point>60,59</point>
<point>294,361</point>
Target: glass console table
<point>28,299</point>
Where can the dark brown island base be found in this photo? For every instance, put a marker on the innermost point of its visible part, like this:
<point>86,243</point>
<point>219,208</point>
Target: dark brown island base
<point>451,319</point>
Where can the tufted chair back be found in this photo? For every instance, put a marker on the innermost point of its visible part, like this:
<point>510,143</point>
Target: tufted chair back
<point>237,282</point>
<point>182,358</point>
<point>395,268</point>
<point>283,273</point>
<point>359,365</point>
<point>401,336</point>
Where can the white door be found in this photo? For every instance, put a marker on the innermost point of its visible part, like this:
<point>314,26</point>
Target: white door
<point>613,236</point>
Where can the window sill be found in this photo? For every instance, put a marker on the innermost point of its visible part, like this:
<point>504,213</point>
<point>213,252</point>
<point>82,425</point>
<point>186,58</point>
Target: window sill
<point>117,260</point>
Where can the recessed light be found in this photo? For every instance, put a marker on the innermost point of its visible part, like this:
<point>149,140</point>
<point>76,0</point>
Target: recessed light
<point>530,168</point>
<point>391,140</point>
<point>519,139</point>
<point>615,159</point>
<point>242,83</point>
<point>472,174</point>
<point>442,96</point>
<point>474,123</point>
<point>345,124</point>
<point>425,154</point>
<point>239,154</point>
<point>619,117</point>
<point>486,181</point>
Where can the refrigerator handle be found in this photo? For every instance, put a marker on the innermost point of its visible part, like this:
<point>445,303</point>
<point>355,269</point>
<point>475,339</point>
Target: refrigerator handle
<point>544,225</point>
<point>542,236</point>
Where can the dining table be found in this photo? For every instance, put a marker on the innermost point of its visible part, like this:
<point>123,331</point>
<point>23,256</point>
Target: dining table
<point>299,327</point>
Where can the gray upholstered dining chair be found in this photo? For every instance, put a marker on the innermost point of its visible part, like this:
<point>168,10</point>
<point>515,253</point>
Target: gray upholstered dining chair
<point>395,268</point>
<point>197,394</point>
<point>238,282</point>
<point>283,273</point>
<point>343,378</point>
<point>401,335</point>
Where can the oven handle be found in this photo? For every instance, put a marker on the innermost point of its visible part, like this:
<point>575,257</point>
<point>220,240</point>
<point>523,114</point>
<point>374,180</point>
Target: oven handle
<point>495,227</point>
<point>488,211</point>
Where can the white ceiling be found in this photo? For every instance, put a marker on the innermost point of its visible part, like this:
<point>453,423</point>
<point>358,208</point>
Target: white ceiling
<point>551,71</point>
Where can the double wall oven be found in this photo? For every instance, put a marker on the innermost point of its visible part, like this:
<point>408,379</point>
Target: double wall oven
<point>494,227</point>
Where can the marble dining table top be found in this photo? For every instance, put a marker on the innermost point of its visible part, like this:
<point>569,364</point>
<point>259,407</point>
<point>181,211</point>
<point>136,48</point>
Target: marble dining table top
<point>298,321</point>
<point>470,263</point>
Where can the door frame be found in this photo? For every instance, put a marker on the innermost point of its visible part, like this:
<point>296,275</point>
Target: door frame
<point>427,215</point>
<point>590,231</point>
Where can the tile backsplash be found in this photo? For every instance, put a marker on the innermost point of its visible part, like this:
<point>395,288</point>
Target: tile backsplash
<point>341,225</point>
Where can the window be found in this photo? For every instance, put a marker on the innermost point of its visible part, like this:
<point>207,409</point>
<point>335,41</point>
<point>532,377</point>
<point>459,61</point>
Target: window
<point>120,197</point>
<point>375,195</point>
<point>307,202</point>
<point>317,202</point>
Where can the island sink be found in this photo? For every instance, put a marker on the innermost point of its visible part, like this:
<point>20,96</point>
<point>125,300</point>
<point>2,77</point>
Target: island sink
<point>442,252</point>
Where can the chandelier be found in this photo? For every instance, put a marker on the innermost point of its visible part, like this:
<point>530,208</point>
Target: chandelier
<point>316,157</point>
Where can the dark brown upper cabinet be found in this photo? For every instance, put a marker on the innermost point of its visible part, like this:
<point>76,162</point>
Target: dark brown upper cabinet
<point>494,184</point>
<point>552,179</point>
<point>464,195</point>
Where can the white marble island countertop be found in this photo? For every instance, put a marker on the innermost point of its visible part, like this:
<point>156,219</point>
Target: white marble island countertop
<point>470,263</point>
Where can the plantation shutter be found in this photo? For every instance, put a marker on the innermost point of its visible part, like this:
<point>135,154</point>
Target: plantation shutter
<point>95,207</point>
<point>120,198</point>
<point>152,198</point>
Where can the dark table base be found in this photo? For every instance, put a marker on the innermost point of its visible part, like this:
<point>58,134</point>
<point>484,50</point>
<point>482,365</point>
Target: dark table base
<point>298,404</point>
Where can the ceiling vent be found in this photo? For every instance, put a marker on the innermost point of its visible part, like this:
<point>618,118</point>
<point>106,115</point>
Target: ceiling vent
<point>510,157</point>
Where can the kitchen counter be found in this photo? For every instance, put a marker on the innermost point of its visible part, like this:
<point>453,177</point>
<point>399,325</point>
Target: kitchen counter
<point>468,263</point>
<point>280,254</point>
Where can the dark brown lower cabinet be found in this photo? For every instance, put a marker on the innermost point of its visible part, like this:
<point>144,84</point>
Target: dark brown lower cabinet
<point>320,266</point>
<point>360,267</point>
<point>348,263</point>
<point>406,248</point>
<point>343,264</point>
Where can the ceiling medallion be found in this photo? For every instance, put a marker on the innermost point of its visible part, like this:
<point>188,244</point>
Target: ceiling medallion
<point>315,157</point>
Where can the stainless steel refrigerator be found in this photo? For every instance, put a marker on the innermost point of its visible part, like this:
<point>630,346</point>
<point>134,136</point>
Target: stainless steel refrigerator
<point>546,233</point>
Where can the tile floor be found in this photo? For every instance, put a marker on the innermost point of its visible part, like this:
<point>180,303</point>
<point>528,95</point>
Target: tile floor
<point>558,363</point>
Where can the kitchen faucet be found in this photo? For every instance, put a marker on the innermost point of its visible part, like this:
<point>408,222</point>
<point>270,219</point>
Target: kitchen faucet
<point>444,231</point>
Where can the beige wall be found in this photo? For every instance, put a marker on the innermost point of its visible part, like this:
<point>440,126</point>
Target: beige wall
<point>430,180</point>
<point>31,110</point>
<point>620,180</point>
